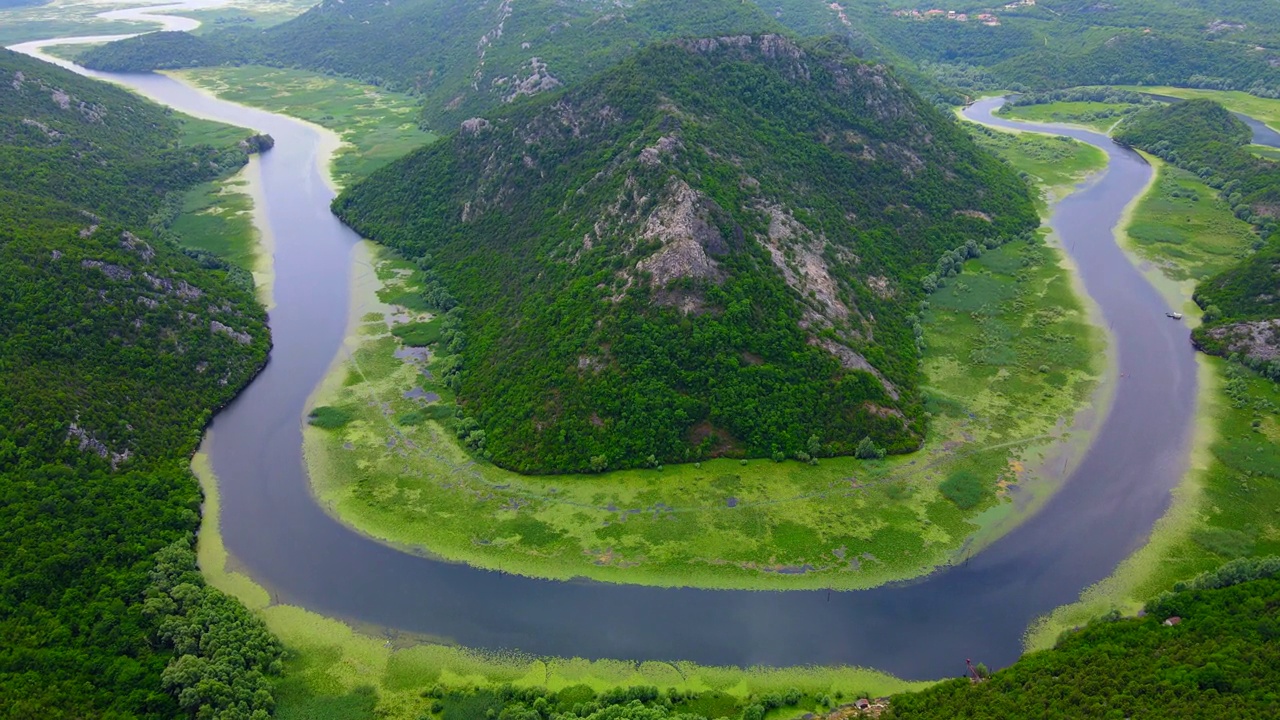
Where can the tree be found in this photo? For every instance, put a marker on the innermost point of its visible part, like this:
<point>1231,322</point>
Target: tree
<point>868,450</point>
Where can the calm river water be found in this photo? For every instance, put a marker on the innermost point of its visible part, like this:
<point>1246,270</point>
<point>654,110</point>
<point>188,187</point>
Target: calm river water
<point>925,629</point>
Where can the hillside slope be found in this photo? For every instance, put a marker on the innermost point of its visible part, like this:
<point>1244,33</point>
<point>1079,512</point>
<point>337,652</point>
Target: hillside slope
<point>115,346</point>
<point>1223,44</point>
<point>464,57</point>
<point>1219,658</point>
<point>715,248</point>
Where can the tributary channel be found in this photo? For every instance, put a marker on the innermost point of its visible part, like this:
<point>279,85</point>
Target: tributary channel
<point>980,609</point>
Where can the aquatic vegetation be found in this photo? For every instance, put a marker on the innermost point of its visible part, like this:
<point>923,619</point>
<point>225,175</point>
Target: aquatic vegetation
<point>398,471</point>
<point>375,124</point>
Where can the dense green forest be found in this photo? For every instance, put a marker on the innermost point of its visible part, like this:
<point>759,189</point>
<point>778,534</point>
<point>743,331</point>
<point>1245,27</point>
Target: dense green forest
<point>115,347</point>
<point>1219,659</point>
<point>158,51</point>
<point>1065,43</point>
<point>1242,304</point>
<point>463,58</point>
<point>717,248</point>
<point>1059,43</point>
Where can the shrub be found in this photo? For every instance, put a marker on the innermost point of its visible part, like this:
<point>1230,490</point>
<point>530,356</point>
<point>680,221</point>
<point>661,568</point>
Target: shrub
<point>868,450</point>
<point>964,488</point>
<point>329,418</point>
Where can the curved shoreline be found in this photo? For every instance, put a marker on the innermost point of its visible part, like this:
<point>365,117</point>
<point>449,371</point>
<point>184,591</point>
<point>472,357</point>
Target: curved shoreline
<point>447,593</point>
<point>335,458</point>
<point>915,630</point>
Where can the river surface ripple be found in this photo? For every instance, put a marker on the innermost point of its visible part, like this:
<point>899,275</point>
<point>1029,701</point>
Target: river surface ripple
<point>277,533</point>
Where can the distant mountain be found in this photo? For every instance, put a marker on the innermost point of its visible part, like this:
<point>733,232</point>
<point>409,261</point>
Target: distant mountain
<point>464,57</point>
<point>714,248</point>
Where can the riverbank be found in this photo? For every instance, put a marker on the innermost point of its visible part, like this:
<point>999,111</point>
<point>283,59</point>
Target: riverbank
<point>1001,409</point>
<point>1087,115</point>
<point>335,669</point>
<point>373,126</point>
<point>1228,504</point>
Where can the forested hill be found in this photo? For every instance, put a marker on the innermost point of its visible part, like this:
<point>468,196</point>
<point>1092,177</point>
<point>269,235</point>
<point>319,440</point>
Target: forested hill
<point>464,57</point>
<point>115,347</point>
<point>1224,44</point>
<point>1210,650</point>
<point>715,248</point>
<point>1242,304</point>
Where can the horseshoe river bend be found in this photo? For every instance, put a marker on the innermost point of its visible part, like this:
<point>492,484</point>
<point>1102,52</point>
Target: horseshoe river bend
<point>277,534</point>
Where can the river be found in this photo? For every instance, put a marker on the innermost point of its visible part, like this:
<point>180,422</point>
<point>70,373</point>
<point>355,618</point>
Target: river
<point>925,629</point>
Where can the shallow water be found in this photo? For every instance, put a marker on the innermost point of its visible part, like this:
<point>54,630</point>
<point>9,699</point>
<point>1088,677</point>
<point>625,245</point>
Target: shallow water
<point>923,629</point>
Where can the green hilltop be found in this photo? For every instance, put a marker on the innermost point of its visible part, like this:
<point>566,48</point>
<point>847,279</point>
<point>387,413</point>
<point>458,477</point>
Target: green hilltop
<point>716,248</point>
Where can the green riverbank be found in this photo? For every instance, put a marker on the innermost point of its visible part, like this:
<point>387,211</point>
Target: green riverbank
<point>1096,116</point>
<point>375,126</point>
<point>336,670</point>
<point>1228,505</point>
<point>1011,359</point>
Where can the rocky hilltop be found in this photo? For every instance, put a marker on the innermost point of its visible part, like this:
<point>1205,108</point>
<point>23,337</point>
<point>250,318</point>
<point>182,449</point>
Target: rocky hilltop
<point>715,248</point>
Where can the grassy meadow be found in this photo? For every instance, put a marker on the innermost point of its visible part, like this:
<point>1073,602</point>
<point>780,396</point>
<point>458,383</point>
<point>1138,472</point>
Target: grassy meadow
<point>219,216</point>
<point>1265,152</point>
<point>376,126</point>
<point>62,18</point>
<point>1093,115</point>
<point>334,671</point>
<point>1184,228</point>
<point>1051,163</point>
<point>1011,357</point>
<point>255,14</point>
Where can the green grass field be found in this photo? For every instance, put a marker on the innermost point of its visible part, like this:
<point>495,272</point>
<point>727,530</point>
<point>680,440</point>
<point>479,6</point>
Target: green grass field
<point>1051,163</point>
<point>1093,115</point>
<point>376,126</point>
<point>68,52</point>
<point>1185,228</point>
<point>1265,152</point>
<point>218,217</point>
<point>62,18</point>
<point>255,14</point>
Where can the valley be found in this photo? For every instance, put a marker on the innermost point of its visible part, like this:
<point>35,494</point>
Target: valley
<point>1048,407</point>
